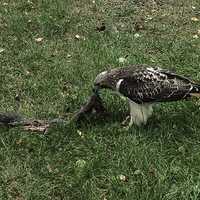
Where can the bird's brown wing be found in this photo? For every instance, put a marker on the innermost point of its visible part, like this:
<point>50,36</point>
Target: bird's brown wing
<point>153,85</point>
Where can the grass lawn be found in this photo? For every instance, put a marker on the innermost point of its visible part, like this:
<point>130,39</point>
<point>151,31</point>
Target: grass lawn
<point>50,53</point>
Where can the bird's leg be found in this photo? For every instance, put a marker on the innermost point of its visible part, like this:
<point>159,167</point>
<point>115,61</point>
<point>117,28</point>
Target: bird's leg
<point>131,122</point>
<point>125,122</point>
<point>132,116</point>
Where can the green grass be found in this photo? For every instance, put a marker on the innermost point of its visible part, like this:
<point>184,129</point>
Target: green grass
<point>55,76</point>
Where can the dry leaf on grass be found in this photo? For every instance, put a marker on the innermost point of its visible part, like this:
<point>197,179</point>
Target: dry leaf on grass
<point>101,28</point>
<point>2,50</point>
<point>123,178</point>
<point>19,141</point>
<point>137,172</point>
<point>194,19</point>
<point>40,39</point>
<point>49,168</point>
<point>195,36</point>
<point>122,60</point>
<point>28,72</point>
<point>77,36</point>
<point>136,35</point>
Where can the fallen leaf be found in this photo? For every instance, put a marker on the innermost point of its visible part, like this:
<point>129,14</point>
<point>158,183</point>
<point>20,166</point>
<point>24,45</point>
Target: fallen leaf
<point>19,141</point>
<point>2,50</point>
<point>49,168</point>
<point>138,26</point>
<point>28,72</point>
<point>137,172</point>
<point>62,94</point>
<point>40,39</point>
<point>195,36</point>
<point>101,28</point>
<point>122,60</point>
<point>136,35</point>
<point>194,19</point>
<point>152,171</point>
<point>80,134</point>
<point>198,31</point>
<point>123,178</point>
<point>149,18</point>
<point>77,36</point>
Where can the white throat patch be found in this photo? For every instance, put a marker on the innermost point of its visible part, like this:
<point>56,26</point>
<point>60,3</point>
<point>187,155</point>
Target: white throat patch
<point>118,84</point>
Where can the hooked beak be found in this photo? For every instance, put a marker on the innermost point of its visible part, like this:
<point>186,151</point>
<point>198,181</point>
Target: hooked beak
<point>96,89</point>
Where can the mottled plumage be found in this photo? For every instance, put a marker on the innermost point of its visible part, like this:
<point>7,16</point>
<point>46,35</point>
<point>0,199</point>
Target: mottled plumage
<point>144,85</point>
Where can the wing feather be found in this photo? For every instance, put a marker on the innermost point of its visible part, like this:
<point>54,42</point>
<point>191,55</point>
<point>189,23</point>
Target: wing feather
<point>155,85</point>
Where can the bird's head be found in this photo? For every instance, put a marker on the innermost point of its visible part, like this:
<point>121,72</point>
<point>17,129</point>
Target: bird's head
<point>105,79</point>
<point>108,79</point>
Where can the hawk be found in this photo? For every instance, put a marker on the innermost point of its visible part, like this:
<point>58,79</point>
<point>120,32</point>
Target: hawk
<point>144,86</point>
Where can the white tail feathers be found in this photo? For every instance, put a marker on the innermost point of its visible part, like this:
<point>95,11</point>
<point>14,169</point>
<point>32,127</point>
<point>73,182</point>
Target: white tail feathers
<point>195,95</point>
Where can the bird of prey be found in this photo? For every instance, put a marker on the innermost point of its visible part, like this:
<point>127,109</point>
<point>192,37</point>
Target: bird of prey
<point>144,86</point>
